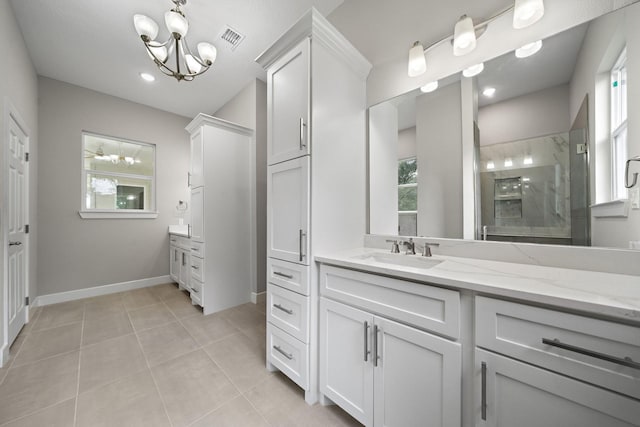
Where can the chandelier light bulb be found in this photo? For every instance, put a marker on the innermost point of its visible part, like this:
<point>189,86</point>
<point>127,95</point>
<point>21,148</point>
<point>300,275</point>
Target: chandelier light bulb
<point>417,62</point>
<point>474,70</point>
<point>145,27</point>
<point>464,36</point>
<point>158,50</point>
<point>192,64</point>
<point>429,87</point>
<point>527,12</point>
<point>176,23</point>
<point>489,92</point>
<point>529,49</point>
<point>207,52</point>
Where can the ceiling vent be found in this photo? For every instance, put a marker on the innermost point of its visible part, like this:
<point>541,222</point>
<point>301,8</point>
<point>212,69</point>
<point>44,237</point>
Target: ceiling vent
<point>231,37</point>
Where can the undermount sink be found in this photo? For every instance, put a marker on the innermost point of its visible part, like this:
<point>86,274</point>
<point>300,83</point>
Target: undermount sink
<point>413,261</point>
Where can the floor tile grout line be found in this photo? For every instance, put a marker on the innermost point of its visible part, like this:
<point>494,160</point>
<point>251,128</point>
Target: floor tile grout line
<point>35,331</point>
<point>252,404</point>
<point>153,377</point>
<point>34,412</point>
<point>75,409</point>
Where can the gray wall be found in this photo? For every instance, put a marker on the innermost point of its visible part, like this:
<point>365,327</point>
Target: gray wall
<point>249,108</point>
<point>19,85</point>
<point>544,112</point>
<point>79,253</point>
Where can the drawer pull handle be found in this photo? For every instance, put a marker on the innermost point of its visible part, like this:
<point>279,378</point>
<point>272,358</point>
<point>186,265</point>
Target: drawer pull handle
<point>286,310</point>
<point>194,290</point>
<point>366,341</point>
<point>195,267</point>
<point>286,276</point>
<point>195,249</point>
<point>483,397</point>
<point>284,353</point>
<point>301,235</point>
<point>627,361</point>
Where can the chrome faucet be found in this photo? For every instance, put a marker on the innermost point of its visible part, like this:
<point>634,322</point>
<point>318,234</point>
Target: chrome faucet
<point>426,248</point>
<point>411,247</point>
<point>395,249</point>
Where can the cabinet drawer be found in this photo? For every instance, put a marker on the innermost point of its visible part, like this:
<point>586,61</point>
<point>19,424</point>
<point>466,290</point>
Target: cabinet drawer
<point>182,242</point>
<point>196,291</point>
<point>197,249</point>
<point>294,277</point>
<point>289,355</point>
<point>173,239</point>
<point>424,306</point>
<point>289,311</point>
<point>590,350</point>
<point>197,268</point>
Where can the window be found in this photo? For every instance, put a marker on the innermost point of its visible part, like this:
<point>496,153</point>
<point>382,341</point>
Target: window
<point>407,197</point>
<point>619,125</point>
<point>118,178</point>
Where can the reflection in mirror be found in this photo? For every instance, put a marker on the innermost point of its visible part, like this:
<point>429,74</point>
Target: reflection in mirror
<point>553,131</point>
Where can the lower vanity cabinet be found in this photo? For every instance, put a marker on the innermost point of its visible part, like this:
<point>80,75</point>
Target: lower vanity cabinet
<point>540,367</point>
<point>380,371</point>
<point>179,260</point>
<point>513,393</point>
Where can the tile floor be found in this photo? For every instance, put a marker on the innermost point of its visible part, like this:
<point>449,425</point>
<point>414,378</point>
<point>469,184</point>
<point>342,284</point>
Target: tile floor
<point>149,358</point>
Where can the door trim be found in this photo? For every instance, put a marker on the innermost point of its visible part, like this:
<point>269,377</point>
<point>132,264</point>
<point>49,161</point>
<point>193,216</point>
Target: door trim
<point>11,113</point>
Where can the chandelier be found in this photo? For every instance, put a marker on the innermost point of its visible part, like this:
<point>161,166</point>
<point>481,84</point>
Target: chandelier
<point>187,65</point>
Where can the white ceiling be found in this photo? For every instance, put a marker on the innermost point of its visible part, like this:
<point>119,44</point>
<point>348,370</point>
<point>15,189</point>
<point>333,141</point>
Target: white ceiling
<point>92,43</point>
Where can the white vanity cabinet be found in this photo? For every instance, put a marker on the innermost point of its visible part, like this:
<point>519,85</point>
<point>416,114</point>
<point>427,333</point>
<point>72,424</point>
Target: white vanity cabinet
<point>554,368</point>
<point>288,94</point>
<point>179,260</point>
<point>316,102</point>
<point>222,207</point>
<point>381,371</point>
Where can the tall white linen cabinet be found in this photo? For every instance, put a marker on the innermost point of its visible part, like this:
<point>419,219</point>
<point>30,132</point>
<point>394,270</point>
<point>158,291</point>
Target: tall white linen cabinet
<point>316,184</point>
<point>222,228</point>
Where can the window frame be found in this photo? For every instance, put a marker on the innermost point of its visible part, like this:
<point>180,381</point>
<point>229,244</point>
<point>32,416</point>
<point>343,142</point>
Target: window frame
<point>410,185</point>
<point>87,213</point>
<point>618,110</point>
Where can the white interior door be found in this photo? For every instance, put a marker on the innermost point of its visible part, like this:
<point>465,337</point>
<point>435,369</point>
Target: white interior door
<point>16,193</point>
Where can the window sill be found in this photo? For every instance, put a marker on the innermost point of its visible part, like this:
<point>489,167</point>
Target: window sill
<point>117,215</point>
<point>612,209</point>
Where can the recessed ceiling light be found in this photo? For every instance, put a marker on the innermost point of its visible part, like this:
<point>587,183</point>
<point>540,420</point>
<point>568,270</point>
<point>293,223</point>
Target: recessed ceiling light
<point>489,92</point>
<point>528,160</point>
<point>529,49</point>
<point>490,165</point>
<point>429,87</point>
<point>147,77</point>
<point>508,163</point>
<point>474,70</point>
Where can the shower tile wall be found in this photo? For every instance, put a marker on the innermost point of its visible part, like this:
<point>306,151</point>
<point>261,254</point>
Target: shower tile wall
<point>540,166</point>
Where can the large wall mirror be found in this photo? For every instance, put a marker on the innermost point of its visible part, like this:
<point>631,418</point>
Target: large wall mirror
<point>550,137</point>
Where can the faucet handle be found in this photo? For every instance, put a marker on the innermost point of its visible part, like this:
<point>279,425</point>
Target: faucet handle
<point>395,249</point>
<point>426,248</point>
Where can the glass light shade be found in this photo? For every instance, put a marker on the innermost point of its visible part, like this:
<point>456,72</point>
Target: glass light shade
<point>158,50</point>
<point>429,87</point>
<point>192,64</point>
<point>147,77</point>
<point>529,49</point>
<point>464,36</point>
<point>474,70</point>
<point>176,23</point>
<point>417,62</point>
<point>207,52</point>
<point>527,12</point>
<point>145,26</point>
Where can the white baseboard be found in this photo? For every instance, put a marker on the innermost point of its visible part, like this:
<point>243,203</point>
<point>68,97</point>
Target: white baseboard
<point>99,290</point>
<point>258,297</point>
<point>4,355</point>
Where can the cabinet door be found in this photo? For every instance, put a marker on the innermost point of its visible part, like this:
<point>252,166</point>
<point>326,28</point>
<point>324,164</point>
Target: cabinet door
<point>196,174</point>
<point>513,393</point>
<point>346,368</point>
<point>288,105</point>
<point>418,378</point>
<point>174,263</point>
<point>197,214</point>
<point>288,211</point>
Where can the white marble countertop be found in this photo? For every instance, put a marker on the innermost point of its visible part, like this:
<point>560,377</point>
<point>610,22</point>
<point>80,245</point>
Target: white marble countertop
<point>606,294</point>
<point>179,230</point>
